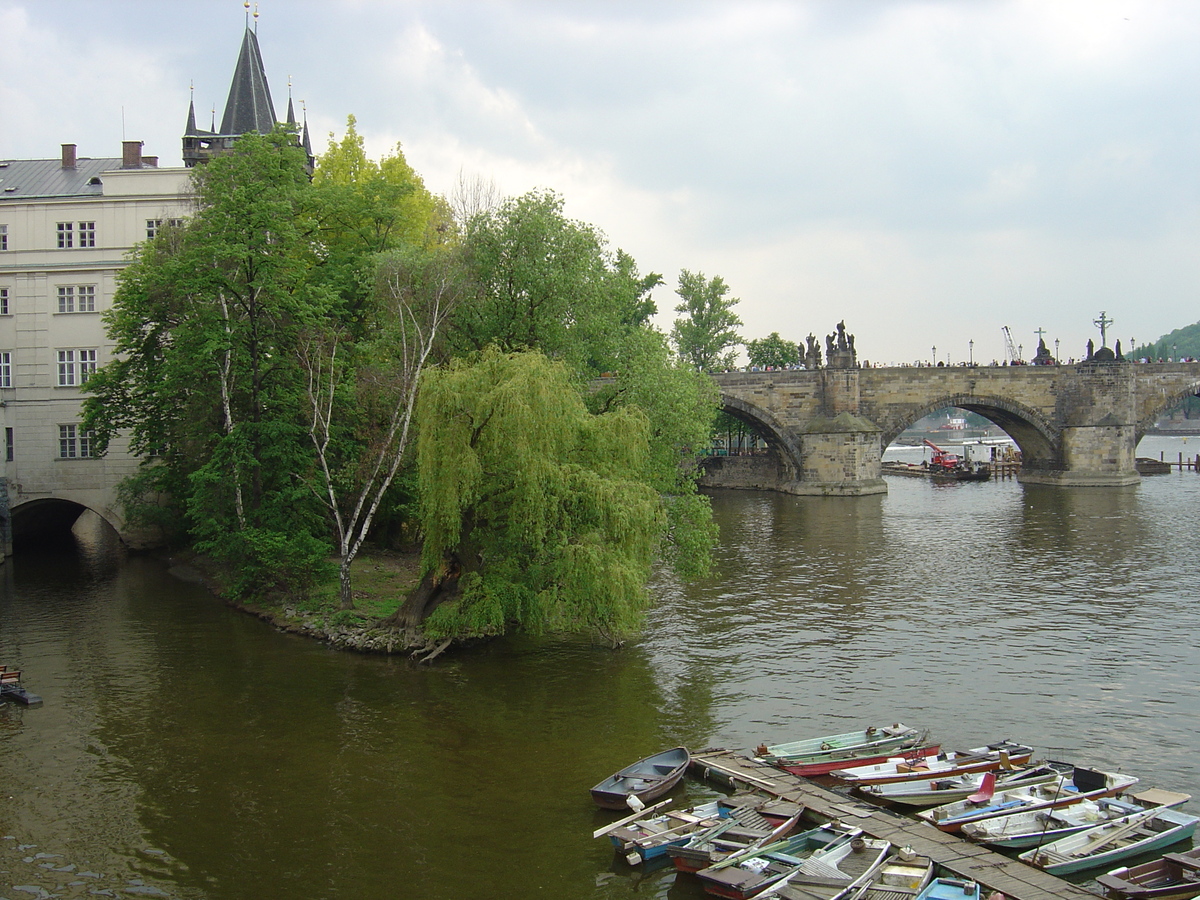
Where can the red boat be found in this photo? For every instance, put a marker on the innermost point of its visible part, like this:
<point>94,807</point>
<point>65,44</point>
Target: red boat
<point>809,769</point>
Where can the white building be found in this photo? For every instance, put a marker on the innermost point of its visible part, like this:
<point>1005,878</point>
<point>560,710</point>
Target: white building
<point>66,228</point>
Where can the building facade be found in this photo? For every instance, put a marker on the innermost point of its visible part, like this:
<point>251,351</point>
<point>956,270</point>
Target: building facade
<point>67,227</point>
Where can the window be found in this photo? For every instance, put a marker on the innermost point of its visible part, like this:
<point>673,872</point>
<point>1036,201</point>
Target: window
<point>154,226</point>
<point>67,442</point>
<point>87,365</point>
<point>3,301</point>
<point>75,444</point>
<point>65,235</point>
<point>5,368</point>
<point>87,234</point>
<point>3,237</point>
<point>9,445</point>
<point>66,368</point>
<point>77,298</point>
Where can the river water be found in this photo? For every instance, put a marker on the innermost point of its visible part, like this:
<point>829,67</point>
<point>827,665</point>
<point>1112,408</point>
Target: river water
<point>186,750</point>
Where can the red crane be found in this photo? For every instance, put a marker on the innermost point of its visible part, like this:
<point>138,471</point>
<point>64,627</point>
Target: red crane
<point>942,459</point>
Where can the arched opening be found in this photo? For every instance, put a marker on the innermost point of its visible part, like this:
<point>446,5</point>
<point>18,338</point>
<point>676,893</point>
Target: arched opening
<point>749,449</point>
<point>1168,434</point>
<point>53,522</point>
<point>984,429</point>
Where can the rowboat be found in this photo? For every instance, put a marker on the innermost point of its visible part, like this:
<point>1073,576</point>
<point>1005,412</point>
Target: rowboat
<point>746,826</point>
<point>746,874</point>
<point>903,875</point>
<point>819,756</point>
<point>1174,876</point>
<point>647,779</point>
<point>1130,835</point>
<point>1083,784</point>
<point>951,889</point>
<point>940,791</point>
<point>1033,828</point>
<point>649,837</point>
<point>912,767</point>
<point>836,874</point>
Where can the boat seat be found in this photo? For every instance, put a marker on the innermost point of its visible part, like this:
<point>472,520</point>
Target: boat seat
<point>9,677</point>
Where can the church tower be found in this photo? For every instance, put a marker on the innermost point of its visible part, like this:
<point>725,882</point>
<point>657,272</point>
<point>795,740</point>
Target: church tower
<point>247,109</point>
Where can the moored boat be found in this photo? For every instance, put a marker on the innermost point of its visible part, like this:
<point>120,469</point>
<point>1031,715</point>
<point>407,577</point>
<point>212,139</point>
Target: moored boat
<point>951,889</point>
<point>745,826</point>
<point>940,791</point>
<point>1034,828</point>
<point>1173,876</point>
<point>648,838</point>
<point>904,874</point>
<point>749,873</point>
<point>646,780</point>
<point>1082,784</point>
<point>819,756</point>
<point>1122,838</point>
<point>915,767</point>
<point>837,874</point>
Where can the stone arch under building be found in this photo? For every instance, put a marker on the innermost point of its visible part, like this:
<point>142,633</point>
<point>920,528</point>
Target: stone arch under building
<point>46,517</point>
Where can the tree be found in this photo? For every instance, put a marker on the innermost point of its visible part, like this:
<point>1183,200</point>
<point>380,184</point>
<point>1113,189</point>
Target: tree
<point>538,515</point>
<point>706,335</point>
<point>773,352</point>
<point>419,289</point>
<point>206,323</point>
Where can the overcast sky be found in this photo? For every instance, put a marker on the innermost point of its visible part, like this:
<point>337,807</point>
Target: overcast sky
<point>927,171</point>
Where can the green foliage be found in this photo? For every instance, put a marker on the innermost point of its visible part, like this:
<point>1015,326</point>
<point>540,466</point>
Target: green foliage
<point>1182,342</point>
<point>546,282</point>
<point>773,352</point>
<point>706,335</point>
<point>548,507</point>
<point>262,561</point>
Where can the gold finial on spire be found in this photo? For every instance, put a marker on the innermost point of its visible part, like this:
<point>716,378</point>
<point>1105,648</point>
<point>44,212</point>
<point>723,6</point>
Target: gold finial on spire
<point>255,10</point>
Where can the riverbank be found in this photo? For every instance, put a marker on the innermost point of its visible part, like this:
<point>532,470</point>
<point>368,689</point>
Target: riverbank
<point>381,579</point>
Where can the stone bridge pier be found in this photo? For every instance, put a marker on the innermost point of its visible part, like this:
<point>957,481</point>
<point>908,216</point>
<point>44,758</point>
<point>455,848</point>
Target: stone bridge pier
<point>1075,425</point>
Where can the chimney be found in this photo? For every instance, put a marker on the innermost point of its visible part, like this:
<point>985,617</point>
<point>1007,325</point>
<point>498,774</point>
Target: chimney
<point>68,156</point>
<point>151,161</point>
<point>131,154</point>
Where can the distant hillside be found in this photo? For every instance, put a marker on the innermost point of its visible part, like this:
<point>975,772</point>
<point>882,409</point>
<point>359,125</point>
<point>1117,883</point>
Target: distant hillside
<point>1180,342</point>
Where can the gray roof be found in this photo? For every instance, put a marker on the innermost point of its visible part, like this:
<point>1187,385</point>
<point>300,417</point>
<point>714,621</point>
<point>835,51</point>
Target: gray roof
<point>249,107</point>
<point>26,179</point>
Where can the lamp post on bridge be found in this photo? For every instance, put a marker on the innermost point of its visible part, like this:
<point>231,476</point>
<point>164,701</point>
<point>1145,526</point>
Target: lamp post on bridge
<point>971,353</point>
<point>1056,359</point>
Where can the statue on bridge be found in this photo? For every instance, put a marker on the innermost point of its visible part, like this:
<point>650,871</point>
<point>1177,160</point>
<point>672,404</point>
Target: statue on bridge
<point>812,356</point>
<point>841,355</point>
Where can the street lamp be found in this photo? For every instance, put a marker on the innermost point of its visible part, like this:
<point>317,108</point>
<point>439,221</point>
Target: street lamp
<point>970,353</point>
<point>1056,359</point>
<point>935,355</point>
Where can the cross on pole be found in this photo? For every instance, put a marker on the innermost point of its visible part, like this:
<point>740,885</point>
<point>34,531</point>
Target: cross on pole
<point>1102,323</point>
<point>1041,333</point>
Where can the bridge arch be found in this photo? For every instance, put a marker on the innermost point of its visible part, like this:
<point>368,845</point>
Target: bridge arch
<point>1150,412</point>
<point>43,516</point>
<point>769,428</point>
<point>1037,439</point>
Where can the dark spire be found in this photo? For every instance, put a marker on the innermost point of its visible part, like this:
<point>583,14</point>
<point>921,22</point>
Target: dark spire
<point>249,107</point>
<point>191,123</point>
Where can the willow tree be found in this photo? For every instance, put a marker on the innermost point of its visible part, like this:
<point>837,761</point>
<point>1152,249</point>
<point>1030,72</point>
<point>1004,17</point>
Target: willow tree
<point>538,515</point>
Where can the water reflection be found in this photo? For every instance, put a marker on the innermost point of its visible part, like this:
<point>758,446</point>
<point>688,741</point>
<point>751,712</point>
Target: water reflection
<point>189,749</point>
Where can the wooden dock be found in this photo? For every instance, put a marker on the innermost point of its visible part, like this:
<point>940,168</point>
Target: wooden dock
<point>1014,879</point>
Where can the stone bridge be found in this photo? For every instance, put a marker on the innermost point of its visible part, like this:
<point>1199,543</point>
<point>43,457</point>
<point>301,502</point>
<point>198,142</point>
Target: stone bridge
<point>1074,425</point>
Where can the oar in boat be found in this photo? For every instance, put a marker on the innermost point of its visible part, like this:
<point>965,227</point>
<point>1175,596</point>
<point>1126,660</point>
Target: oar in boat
<point>601,832</point>
<point>1120,831</point>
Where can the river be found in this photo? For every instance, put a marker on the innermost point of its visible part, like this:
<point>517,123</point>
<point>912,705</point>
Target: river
<point>189,751</point>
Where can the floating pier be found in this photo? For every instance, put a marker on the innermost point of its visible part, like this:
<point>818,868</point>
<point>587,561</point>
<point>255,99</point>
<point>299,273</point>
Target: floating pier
<point>1014,879</point>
